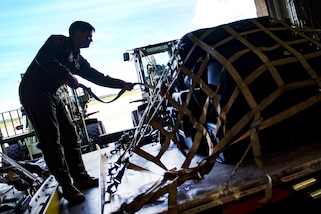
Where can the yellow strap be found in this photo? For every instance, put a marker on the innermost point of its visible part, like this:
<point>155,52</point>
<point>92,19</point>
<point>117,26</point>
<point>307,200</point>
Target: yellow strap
<point>255,142</point>
<point>172,197</point>
<point>296,53</point>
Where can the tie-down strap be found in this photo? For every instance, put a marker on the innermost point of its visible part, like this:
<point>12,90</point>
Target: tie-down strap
<point>118,95</point>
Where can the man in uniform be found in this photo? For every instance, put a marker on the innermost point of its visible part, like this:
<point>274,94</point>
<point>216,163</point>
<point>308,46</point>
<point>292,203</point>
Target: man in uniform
<point>56,63</point>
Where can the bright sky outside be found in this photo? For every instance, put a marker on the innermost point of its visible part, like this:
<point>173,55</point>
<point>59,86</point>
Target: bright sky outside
<point>120,25</point>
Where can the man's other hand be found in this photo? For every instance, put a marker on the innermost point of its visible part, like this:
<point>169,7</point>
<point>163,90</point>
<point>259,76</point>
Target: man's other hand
<point>72,81</point>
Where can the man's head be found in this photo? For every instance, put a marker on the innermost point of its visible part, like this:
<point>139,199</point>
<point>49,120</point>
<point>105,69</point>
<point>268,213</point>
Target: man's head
<point>81,33</point>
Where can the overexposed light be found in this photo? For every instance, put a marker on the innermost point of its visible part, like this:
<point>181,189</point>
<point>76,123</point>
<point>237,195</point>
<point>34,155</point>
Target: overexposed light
<point>211,13</point>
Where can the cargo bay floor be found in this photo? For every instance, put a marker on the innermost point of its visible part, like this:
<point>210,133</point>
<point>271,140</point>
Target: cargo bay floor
<point>192,194</point>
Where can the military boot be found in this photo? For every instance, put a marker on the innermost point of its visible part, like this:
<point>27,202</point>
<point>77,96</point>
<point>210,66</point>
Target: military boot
<point>72,195</point>
<point>86,182</point>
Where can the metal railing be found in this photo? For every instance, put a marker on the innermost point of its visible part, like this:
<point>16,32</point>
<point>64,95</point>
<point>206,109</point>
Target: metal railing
<point>13,126</point>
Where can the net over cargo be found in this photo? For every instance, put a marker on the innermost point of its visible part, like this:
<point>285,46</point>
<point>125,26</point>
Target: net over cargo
<point>228,90</point>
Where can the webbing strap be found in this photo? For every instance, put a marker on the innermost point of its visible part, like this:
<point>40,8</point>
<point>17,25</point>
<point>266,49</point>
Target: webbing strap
<point>121,92</point>
<point>296,53</point>
<point>253,118</point>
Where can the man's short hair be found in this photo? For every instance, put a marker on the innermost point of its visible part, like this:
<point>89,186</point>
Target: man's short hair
<point>81,26</point>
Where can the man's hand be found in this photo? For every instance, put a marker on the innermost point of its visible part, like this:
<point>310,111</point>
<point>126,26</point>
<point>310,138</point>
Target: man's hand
<point>128,86</point>
<point>72,81</point>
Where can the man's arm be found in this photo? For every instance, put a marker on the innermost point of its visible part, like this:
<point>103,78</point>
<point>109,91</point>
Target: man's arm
<point>96,77</point>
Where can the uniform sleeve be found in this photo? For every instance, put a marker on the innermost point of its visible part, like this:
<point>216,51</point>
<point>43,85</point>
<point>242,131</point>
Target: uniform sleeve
<point>96,77</point>
<point>47,57</point>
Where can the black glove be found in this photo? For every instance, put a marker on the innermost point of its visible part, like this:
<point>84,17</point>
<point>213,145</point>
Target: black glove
<point>128,86</point>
